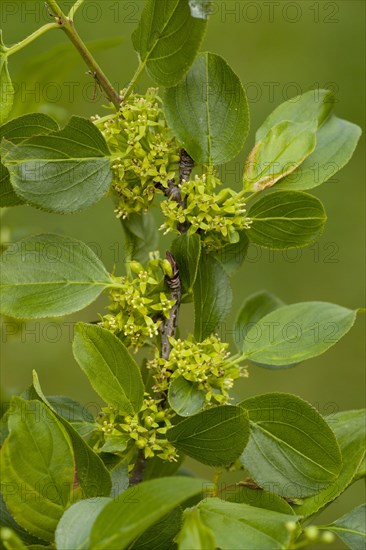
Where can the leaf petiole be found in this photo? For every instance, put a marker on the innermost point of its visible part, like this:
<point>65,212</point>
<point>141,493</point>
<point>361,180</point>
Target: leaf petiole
<point>23,43</point>
<point>135,79</point>
<point>74,9</point>
<point>67,25</point>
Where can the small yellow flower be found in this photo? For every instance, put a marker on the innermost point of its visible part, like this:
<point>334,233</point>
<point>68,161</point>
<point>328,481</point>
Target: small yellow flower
<point>218,217</point>
<point>145,430</point>
<point>207,364</point>
<point>144,151</point>
<point>138,306</point>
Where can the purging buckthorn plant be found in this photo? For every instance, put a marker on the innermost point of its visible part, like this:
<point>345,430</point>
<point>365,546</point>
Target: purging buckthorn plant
<point>124,478</point>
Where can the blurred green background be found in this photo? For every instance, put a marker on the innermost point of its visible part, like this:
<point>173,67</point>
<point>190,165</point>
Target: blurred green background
<point>278,49</point>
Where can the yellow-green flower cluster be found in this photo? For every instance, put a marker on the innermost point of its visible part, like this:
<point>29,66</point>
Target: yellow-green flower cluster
<point>207,364</point>
<point>144,431</point>
<point>217,216</point>
<point>143,149</point>
<point>139,304</point>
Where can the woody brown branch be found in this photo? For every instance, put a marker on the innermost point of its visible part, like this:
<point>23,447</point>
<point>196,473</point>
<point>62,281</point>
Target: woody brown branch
<point>169,326</point>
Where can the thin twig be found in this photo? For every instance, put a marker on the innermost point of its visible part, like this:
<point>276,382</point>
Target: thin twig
<point>169,326</point>
<point>137,474</point>
<point>186,165</point>
<point>39,32</point>
<point>67,25</point>
<point>136,77</point>
<point>172,191</point>
<point>167,329</point>
<point>74,9</point>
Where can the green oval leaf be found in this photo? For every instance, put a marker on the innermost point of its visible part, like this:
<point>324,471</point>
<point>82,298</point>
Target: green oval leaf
<point>49,276</point>
<point>44,468</point>
<point>279,153</point>
<point>313,105</point>
<point>155,467</point>
<point>71,410</point>
<point>184,397</point>
<point>361,472</point>
<point>212,297</point>
<point>350,430</point>
<point>186,250</point>
<point>167,40</point>
<point>351,528</point>
<point>253,309</point>
<point>208,111</point>
<point>120,479</point>
<point>7,520</point>
<point>215,437</point>
<point>18,130</point>
<point>64,171</point>
<point>26,126</point>
<point>297,332</point>
<point>74,528</point>
<point>7,194</point>
<point>111,370</point>
<point>115,444</point>
<point>233,255</point>
<point>122,520</point>
<point>91,474</point>
<point>241,526</point>
<point>141,236</point>
<point>286,219</point>
<point>291,451</point>
<point>160,536</point>
<point>248,492</point>
<point>336,141</point>
<point>194,533</point>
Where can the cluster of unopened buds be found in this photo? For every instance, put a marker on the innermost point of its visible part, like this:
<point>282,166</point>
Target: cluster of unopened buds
<point>208,365</point>
<point>218,217</point>
<point>143,148</point>
<point>139,304</point>
<point>311,535</point>
<point>144,431</point>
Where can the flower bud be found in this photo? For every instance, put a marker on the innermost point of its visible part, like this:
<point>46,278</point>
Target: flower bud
<point>311,532</point>
<point>167,267</point>
<point>291,526</point>
<point>140,443</point>
<point>327,537</point>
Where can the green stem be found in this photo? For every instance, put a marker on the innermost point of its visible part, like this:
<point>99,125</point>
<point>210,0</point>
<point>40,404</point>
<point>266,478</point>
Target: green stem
<point>137,474</point>
<point>10,540</point>
<point>55,8</point>
<point>250,197</point>
<point>301,544</point>
<point>237,358</point>
<point>20,45</point>
<point>74,9</point>
<point>135,79</point>
<point>97,72</point>
<point>99,123</point>
<point>216,480</point>
<point>67,26</point>
<point>115,285</point>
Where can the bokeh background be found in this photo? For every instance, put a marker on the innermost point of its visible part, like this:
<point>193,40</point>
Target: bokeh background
<point>279,49</point>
